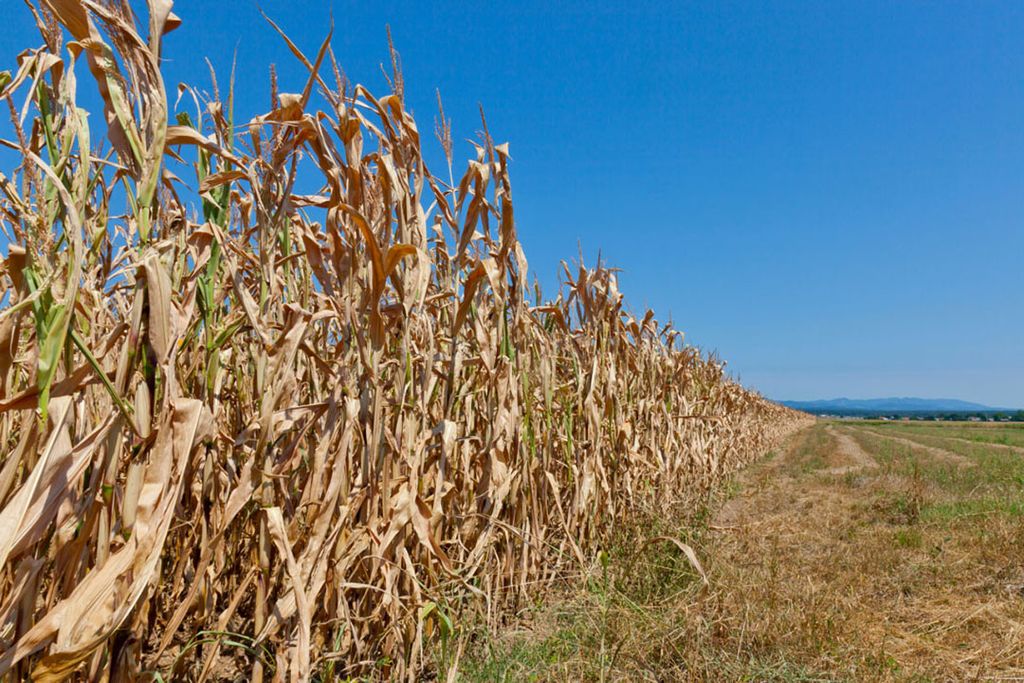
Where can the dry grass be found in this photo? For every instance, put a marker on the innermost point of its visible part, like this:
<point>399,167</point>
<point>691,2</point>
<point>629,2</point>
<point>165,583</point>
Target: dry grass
<point>251,431</point>
<point>824,564</point>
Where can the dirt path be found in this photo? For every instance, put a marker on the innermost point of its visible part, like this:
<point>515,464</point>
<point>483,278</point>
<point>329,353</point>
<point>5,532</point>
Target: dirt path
<point>849,449</point>
<point>940,453</point>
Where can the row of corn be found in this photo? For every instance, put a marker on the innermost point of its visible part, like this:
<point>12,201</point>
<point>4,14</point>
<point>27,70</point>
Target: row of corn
<point>277,401</point>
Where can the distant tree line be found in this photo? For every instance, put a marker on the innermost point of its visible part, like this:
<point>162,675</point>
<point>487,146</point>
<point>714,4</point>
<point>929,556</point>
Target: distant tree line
<point>995,416</point>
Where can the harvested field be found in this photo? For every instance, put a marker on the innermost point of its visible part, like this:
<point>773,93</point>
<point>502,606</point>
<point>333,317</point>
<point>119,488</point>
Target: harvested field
<point>819,568</point>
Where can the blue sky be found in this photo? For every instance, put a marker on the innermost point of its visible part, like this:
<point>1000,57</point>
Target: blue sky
<point>830,195</point>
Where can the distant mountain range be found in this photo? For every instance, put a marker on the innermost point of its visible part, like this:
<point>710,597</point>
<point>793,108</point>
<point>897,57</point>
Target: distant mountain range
<point>892,405</point>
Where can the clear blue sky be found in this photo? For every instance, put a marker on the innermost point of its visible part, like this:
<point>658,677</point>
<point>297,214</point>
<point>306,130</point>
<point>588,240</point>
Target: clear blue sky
<point>831,195</point>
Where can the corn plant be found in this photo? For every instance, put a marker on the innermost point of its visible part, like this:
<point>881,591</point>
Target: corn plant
<point>253,432</point>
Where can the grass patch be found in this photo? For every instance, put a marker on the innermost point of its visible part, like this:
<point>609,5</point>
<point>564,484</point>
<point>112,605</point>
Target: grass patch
<point>524,658</point>
<point>977,507</point>
<point>811,452</point>
<point>1011,434</point>
<point>909,538</point>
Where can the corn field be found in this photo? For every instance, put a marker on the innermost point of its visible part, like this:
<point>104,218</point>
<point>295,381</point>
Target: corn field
<point>249,432</point>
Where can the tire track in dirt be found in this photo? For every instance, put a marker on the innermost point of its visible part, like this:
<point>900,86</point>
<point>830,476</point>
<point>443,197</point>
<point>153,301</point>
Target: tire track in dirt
<point>773,492</point>
<point>848,447</point>
<point>939,453</point>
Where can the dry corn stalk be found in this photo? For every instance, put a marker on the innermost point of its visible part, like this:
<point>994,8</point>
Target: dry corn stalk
<point>249,424</point>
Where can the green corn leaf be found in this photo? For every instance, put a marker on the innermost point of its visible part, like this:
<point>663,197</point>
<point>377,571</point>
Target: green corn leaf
<point>51,343</point>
